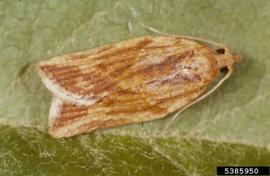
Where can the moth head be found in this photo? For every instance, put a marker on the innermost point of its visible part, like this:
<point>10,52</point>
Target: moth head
<point>225,59</point>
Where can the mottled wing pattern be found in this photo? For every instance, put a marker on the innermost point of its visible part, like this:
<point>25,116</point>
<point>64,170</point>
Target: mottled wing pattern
<point>84,78</point>
<point>153,86</point>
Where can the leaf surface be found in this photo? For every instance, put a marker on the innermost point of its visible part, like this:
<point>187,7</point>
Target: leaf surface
<point>231,127</point>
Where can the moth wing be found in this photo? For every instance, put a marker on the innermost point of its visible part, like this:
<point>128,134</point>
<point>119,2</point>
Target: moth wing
<point>84,78</point>
<point>67,119</point>
<point>152,100</point>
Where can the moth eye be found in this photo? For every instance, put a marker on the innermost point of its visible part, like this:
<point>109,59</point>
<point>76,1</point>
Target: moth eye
<point>220,50</point>
<point>224,70</point>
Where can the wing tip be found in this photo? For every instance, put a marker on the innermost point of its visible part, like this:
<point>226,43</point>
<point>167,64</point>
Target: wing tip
<point>58,130</point>
<point>59,91</point>
<point>54,115</point>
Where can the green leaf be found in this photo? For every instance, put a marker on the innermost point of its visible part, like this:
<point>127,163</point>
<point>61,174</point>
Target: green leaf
<point>231,127</point>
<point>23,151</point>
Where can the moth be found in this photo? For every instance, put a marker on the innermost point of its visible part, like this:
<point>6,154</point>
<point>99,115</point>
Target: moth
<point>132,81</point>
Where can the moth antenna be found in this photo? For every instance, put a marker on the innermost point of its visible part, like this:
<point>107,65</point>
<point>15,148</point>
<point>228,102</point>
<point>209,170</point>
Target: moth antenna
<point>183,36</point>
<point>229,73</point>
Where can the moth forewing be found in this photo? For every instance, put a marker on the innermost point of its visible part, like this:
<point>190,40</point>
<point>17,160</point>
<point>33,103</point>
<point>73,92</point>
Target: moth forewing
<point>128,82</point>
<point>112,111</point>
<point>86,77</point>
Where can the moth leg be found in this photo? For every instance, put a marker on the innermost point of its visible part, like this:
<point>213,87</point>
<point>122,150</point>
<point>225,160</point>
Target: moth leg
<point>183,36</point>
<point>229,73</point>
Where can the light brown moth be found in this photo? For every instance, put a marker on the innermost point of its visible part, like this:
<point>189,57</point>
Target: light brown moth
<point>129,82</point>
